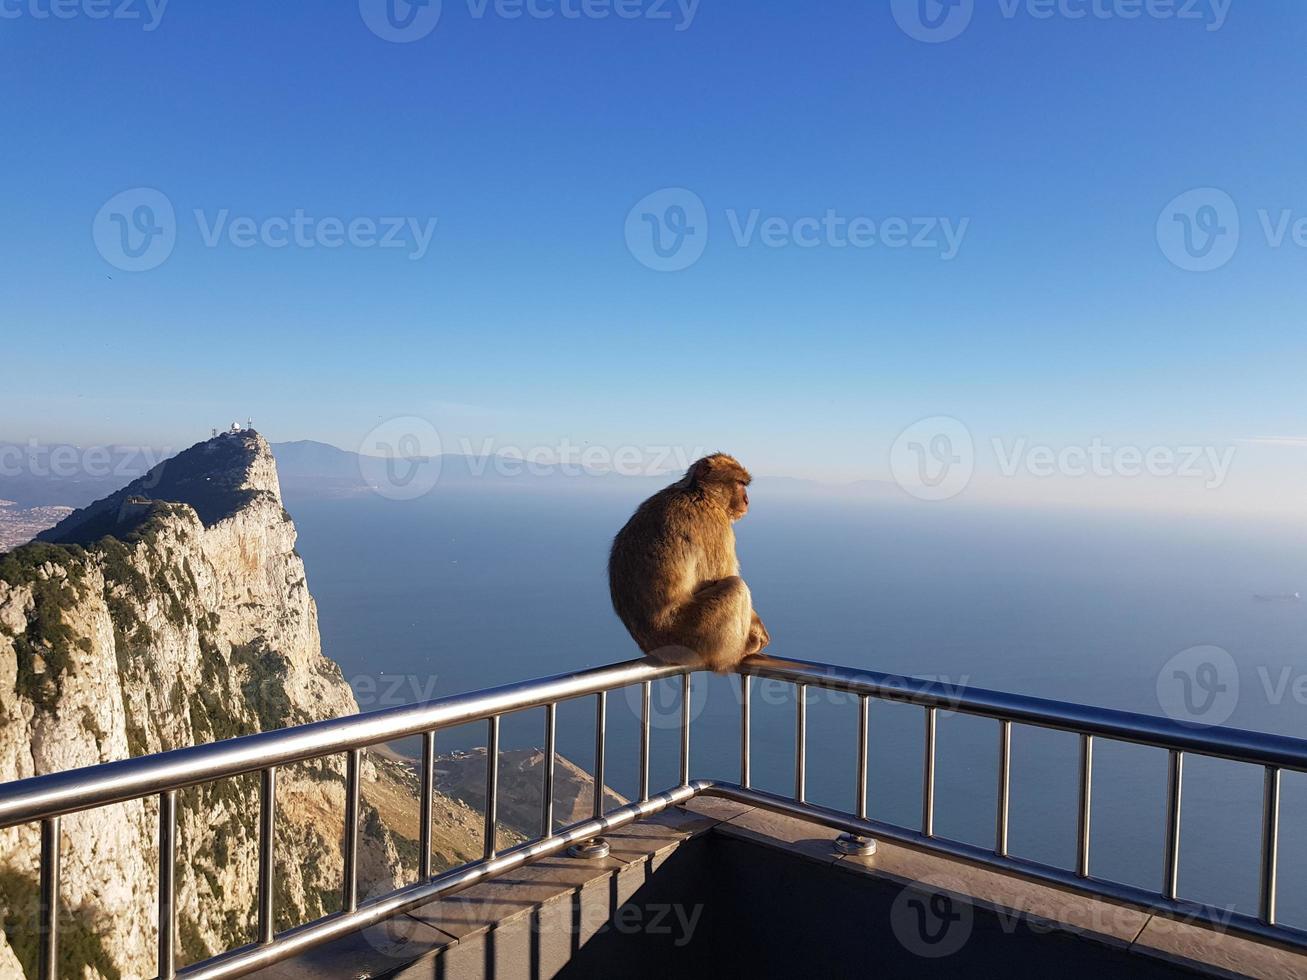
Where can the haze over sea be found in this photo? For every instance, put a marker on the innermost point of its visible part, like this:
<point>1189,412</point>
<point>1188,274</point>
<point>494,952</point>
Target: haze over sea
<point>464,589</point>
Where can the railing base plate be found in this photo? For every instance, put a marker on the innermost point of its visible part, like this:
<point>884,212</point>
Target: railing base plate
<point>859,846</point>
<point>593,849</point>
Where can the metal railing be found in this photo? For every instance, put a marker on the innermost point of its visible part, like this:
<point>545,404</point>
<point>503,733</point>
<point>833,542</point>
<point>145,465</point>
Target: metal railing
<point>47,798</point>
<point>1272,753</point>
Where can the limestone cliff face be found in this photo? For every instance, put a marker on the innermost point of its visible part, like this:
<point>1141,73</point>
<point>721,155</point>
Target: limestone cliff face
<point>174,613</point>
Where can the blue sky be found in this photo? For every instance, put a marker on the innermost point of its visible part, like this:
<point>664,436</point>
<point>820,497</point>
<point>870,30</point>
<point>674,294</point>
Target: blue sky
<point>1053,142</point>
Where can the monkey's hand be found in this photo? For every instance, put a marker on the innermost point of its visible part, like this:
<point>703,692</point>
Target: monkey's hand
<point>758,637</point>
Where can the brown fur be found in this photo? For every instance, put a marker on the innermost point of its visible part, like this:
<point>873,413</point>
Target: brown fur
<point>674,577</point>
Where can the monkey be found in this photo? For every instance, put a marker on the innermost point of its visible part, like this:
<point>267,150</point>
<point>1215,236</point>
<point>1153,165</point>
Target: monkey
<point>674,577</point>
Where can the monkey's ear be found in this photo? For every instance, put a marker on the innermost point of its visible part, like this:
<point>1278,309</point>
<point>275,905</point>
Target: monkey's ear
<point>698,472</point>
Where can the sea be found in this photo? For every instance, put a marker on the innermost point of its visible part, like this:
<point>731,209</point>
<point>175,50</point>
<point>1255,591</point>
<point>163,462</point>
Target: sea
<point>461,590</point>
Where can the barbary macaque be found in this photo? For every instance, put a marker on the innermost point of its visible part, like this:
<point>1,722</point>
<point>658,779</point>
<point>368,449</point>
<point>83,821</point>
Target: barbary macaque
<point>674,577</point>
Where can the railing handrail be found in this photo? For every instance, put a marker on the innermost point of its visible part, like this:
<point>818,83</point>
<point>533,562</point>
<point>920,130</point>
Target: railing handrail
<point>56,794</point>
<point>1234,744</point>
<point>60,793</point>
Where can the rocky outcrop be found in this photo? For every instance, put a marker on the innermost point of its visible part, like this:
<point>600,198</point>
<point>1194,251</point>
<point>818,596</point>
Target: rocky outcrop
<point>462,775</point>
<point>174,613</point>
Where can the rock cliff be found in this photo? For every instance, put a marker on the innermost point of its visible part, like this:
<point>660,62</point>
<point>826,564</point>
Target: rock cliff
<point>172,613</point>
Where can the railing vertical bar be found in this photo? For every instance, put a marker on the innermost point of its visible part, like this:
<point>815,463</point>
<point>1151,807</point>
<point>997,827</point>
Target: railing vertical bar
<point>1175,785</point>
<point>601,724</point>
<point>426,804</point>
<point>685,728</point>
<point>547,791</point>
<point>646,690</point>
<point>928,777</point>
<point>350,865</point>
<point>48,954</point>
<point>267,851</point>
<point>745,690</point>
<point>1086,803</point>
<point>1270,843</point>
<point>167,966</point>
<point>864,712</point>
<point>800,742</point>
<point>492,784</point>
<point>1004,786</point>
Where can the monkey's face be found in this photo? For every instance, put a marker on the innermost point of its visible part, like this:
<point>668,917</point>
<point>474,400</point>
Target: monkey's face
<point>739,505</point>
<point>725,480</point>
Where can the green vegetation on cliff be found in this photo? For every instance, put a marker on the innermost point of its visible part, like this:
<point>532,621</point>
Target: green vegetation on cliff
<point>45,649</point>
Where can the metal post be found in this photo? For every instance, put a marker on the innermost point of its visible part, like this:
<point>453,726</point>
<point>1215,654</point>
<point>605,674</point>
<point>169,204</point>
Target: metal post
<point>928,778</point>
<point>426,804</point>
<point>1175,784</point>
<point>852,843</point>
<point>547,791</point>
<point>864,704</point>
<point>685,729</point>
<point>1004,786</point>
<point>1086,790</point>
<point>744,731</point>
<point>1270,843</point>
<point>48,953</point>
<point>800,742</point>
<point>601,727</point>
<point>646,691</point>
<point>594,848</point>
<point>492,783</point>
<point>350,886</point>
<point>167,966</point>
<point>267,851</point>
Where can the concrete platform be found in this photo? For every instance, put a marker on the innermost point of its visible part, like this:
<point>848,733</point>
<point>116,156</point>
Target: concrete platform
<point>717,889</point>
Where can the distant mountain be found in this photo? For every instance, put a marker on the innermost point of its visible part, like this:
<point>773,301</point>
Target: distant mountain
<point>307,458</point>
<point>311,469</point>
<point>316,469</point>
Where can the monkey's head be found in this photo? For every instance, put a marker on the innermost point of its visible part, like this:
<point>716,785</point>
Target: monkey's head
<point>722,477</point>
